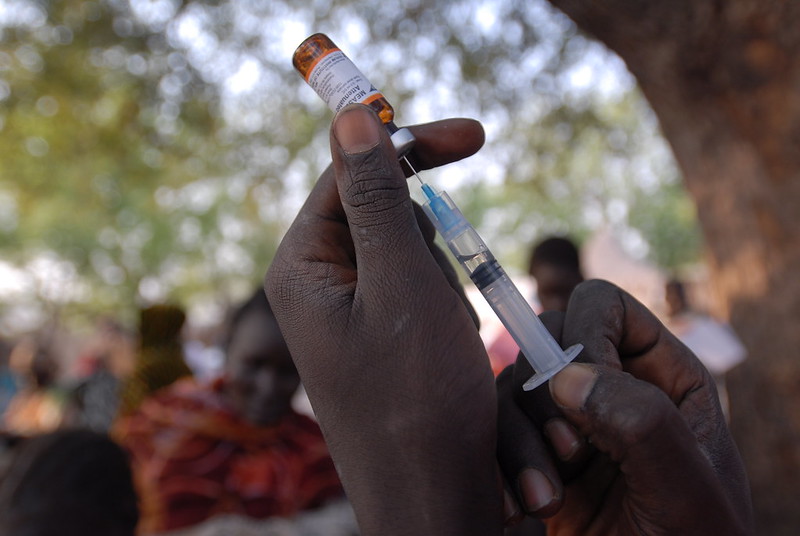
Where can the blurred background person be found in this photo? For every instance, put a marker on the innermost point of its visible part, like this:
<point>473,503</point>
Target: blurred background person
<point>203,351</point>
<point>106,360</point>
<point>8,389</point>
<point>110,345</point>
<point>712,341</point>
<point>38,405</point>
<point>554,264</point>
<point>8,379</point>
<point>234,446</point>
<point>160,360</point>
<point>68,483</point>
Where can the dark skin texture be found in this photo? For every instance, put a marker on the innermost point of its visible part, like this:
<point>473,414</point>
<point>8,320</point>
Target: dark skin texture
<point>659,458</point>
<point>347,286</point>
<point>400,381</point>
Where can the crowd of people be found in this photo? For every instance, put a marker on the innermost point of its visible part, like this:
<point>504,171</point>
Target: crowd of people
<point>155,448</point>
<point>411,430</point>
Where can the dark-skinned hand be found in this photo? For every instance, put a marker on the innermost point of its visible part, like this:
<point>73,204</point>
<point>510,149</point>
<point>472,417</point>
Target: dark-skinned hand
<point>636,443</point>
<point>388,353</point>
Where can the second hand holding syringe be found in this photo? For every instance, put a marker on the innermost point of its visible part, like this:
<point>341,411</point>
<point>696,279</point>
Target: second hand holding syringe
<point>338,82</point>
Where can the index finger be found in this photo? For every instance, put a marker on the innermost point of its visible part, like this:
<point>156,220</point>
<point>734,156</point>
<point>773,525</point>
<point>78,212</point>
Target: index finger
<point>438,143</point>
<point>446,141</point>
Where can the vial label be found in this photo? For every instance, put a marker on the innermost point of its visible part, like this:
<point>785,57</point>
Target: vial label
<point>339,82</point>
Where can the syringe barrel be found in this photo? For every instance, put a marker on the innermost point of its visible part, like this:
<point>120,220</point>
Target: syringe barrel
<point>539,347</point>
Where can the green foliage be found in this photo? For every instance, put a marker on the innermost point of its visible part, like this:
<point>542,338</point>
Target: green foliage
<point>158,150</point>
<point>668,223</point>
<point>115,157</point>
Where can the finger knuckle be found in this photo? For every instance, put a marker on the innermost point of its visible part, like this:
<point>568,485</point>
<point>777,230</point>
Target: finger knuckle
<point>372,185</point>
<point>643,415</point>
<point>595,287</point>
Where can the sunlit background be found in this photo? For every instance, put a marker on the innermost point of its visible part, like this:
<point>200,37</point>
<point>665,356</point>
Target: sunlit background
<point>157,150</point>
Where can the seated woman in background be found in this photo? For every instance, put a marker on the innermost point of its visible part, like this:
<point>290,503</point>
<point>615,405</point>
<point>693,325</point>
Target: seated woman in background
<point>235,446</point>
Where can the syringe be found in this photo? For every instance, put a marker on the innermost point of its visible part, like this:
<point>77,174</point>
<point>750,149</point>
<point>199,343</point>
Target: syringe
<point>539,347</point>
<point>339,82</point>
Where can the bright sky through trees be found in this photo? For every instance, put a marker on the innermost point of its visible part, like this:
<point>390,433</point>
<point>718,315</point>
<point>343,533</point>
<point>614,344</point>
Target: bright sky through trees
<point>156,150</point>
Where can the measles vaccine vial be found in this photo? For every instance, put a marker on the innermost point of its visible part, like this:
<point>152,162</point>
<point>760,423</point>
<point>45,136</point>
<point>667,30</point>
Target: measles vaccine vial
<point>338,82</point>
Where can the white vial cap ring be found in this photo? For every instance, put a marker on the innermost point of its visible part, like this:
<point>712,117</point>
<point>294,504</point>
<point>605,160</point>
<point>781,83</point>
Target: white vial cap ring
<point>403,140</point>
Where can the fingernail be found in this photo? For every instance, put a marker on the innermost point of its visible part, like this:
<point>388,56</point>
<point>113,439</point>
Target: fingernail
<point>510,508</point>
<point>356,129</point>
<point>565,439</point>
<point>536,489</point>
<point>571,386</point>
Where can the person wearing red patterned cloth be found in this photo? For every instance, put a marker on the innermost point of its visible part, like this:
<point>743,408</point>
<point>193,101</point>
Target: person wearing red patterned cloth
<point>235,446</point>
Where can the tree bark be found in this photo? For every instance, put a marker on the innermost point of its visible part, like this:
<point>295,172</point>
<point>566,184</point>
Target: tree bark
<point>723,77</point>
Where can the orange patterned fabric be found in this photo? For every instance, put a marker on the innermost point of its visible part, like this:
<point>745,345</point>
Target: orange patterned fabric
<point>193,459</point>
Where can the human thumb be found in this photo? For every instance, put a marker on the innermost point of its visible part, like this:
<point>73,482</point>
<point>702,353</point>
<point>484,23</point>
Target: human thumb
<point>668,478</point>
<point>373,192</point>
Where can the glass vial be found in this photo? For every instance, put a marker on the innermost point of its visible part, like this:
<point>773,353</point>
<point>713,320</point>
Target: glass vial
<point>338,82</point>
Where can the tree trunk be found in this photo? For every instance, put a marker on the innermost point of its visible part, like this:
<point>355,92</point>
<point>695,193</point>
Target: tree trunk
<point>724,80</point>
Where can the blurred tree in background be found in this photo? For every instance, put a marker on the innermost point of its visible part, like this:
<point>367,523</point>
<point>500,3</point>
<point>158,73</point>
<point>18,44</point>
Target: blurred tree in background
<point>120,177</point>
<point>157,149</point>
<point>724,80</point>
